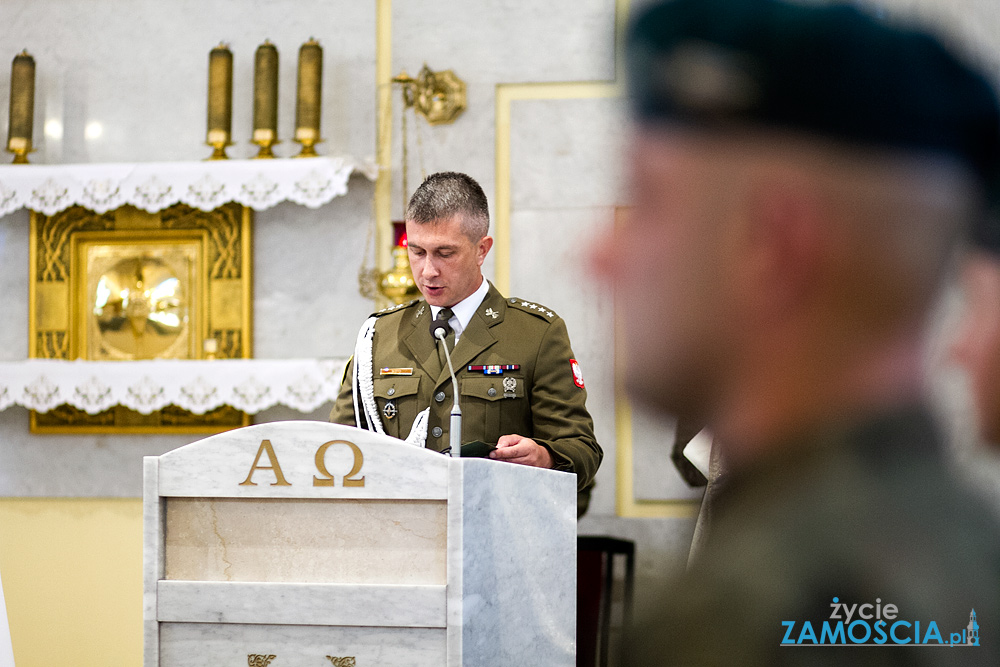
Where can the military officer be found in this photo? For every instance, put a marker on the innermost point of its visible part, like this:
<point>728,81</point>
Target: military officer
<point>520,385</point>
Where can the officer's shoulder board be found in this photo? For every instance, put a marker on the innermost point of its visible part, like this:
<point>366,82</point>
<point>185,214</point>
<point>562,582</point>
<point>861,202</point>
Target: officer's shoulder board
<point>395,309</point>
<point>533,308</point>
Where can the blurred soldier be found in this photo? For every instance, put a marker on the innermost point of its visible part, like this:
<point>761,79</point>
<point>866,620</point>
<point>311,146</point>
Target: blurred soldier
<point>977,345</point>
<point>800,175</point>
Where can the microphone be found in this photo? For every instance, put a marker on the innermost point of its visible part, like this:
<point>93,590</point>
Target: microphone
<point>439,329</point>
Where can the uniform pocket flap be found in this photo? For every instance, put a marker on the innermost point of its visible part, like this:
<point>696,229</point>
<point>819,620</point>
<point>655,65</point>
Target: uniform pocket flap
<point>493,388</point>
<point>395,387</point>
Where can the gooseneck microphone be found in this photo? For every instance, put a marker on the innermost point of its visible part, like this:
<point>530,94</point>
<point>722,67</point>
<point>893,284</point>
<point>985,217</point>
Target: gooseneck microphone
<point>439,329</point>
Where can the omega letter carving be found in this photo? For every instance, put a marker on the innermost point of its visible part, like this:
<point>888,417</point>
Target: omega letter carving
<point>265,447</point>
<point>349,478</point>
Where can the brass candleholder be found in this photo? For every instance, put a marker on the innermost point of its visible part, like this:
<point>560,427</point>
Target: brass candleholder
<point>308,100</point>
<point>220,101</point>
<point>20,148</point>
<point>265,99</point>
<point>265,139</point>
<point>22,107</point>
<point>308,140</point>
<point>219,141</point>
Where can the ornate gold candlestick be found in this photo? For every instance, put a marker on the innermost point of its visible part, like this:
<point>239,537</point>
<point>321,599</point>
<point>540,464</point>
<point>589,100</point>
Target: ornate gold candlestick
<point>22,106</point>
<point>265,99</point>
<point>308,100</point>
<point>220,100</point>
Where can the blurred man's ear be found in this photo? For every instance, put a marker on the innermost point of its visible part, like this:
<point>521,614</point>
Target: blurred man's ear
<point>784,239</point>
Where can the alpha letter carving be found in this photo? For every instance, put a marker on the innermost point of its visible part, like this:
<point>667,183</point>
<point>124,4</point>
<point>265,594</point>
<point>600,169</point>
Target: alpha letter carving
<point>266,448</point>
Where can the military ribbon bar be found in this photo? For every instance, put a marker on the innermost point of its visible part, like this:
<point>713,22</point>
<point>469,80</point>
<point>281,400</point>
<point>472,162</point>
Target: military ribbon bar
<point>494,369</point>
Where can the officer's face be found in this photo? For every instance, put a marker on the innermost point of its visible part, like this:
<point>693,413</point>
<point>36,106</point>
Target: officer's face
<point>446,264</point>
<point>977,344</point>
<point>666,262</point>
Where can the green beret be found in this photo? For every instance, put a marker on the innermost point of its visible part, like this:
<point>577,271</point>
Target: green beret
<point>827,70</point>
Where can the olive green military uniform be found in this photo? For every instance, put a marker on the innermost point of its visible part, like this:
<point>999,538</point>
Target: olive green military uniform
<point>861,513</point>
<point>539,399</point>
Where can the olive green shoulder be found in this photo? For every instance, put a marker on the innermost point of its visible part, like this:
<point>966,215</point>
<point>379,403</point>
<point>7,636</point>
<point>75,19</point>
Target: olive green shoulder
<point>532,308</point>
<point>399,308</point>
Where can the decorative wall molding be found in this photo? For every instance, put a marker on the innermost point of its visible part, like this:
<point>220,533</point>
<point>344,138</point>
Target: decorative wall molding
<point>250,385</point>
<point>153,186</point>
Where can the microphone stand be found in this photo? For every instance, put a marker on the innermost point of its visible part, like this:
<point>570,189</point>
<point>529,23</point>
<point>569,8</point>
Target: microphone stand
<point>455,424</point>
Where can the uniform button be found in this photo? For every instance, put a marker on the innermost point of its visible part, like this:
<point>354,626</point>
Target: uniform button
<point>436,431</point>
<point>391,391</point>
<point>439,397</point>
<point>492,392</point>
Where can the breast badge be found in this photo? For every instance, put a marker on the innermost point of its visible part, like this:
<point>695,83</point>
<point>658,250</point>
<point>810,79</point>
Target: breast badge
<point>509,387</point>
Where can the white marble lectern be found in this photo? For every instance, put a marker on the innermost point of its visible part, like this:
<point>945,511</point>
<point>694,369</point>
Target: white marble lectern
<point>303,544</point>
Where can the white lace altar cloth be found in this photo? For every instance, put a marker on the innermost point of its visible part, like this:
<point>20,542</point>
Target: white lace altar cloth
<point>153,186</point>
<point>250,385</point>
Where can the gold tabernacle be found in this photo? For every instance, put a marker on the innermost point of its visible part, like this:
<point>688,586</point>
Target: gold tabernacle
<point>130,285</point>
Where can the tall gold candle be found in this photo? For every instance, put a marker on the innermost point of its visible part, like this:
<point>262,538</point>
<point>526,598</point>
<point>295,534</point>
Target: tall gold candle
<point>265,96</point>
<point>22,106</point>
<point>220,99</point>
<point>307,107</point>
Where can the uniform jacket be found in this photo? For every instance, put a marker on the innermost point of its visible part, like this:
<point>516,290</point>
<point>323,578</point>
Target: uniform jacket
<point>861,512</point>
<point>542,399</point>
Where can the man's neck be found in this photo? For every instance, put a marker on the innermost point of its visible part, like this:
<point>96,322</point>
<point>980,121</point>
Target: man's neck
<point>466,308</point>
<point>778,404</point>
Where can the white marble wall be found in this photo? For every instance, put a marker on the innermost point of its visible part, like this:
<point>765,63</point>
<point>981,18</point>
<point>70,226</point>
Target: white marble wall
<point>138,69</point>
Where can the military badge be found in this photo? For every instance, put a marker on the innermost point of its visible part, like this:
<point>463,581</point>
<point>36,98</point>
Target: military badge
<point>389,411</point>
<point>509,386</point>
<point>577,373</point>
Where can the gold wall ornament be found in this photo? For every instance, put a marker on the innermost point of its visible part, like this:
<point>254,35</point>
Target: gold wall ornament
<point>22,107</point>
<point>260,659</point>
<point>437,96</point>
<point>265,98</point>
<point>308,100</point>
<point>220,100</point>
<point>128,285</point>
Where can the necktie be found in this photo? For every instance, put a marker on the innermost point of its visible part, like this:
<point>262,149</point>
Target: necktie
<point>443,316</point>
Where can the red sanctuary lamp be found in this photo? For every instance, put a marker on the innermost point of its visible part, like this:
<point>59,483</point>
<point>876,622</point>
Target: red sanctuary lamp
<point>397,284</point>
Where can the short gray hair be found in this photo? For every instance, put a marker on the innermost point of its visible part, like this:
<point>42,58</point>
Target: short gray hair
<point>447,194</point>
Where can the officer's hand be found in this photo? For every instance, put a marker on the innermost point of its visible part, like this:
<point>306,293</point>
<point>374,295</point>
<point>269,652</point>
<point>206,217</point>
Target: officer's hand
<point>525,451</point>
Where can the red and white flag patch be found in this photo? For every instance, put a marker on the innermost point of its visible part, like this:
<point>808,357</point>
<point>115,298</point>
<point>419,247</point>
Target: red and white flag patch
<point>577,373</point>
